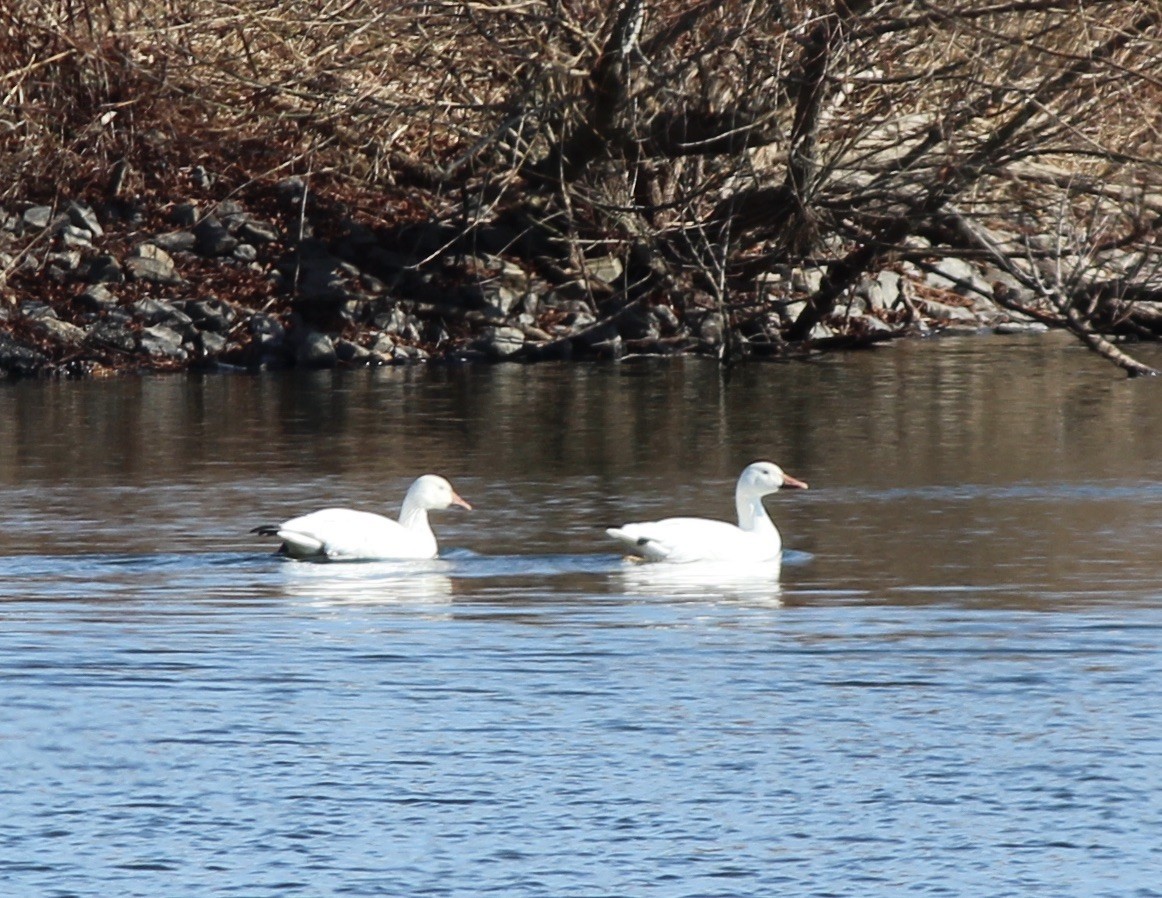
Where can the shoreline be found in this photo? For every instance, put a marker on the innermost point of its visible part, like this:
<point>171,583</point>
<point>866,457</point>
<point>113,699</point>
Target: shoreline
<point>281,280</point>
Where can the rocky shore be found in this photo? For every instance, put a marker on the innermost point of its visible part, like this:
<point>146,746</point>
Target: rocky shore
<point>280,278</point>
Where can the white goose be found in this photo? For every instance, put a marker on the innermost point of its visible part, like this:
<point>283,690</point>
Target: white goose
<point>681,540</point>
<point>341,534</point>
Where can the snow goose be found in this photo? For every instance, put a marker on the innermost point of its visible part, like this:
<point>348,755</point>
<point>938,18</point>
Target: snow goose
<point>681,540</point>
<point>341,534</point>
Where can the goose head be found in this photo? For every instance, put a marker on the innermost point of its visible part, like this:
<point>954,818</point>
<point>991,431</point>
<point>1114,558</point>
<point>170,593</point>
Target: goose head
<point>763,478</point>
<point>433,493</point>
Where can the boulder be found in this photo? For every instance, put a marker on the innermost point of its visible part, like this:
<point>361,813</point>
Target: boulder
<point>73,237</point>
<point>60,331</point>
<point>18,359</point>
<point>176,241</point>
<point>159,340</point>
<point>210,344</point>
<point>710,329</point>
<point>945,312</point>
<point>351,353</point>
<point>209,314</point>
<point>213,238</point>
<point>959,276</point>
<point>383,344</point>
<point>315,350</point>
<point>110,334</point>
<point>501,342</point>
<point>152,263</point>
<point>257,232</point>
<point>882,291</point>
<point>1021,327</point>
<point>39,217</point>
<point>82,216</point>
<point>158,311</point>
<point>244,252</point>
<point>97,298</point>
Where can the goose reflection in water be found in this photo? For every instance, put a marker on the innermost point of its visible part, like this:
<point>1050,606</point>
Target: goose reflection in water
<point>705,581</point>
<point>371,582</point>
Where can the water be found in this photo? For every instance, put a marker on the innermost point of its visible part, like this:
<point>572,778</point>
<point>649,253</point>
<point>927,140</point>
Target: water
<point>953,690</point>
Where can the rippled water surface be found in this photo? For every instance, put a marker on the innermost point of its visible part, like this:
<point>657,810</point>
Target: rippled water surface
<point>952,691</point>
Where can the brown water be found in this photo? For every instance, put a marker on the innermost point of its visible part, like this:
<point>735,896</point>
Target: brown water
<point>952,690</point>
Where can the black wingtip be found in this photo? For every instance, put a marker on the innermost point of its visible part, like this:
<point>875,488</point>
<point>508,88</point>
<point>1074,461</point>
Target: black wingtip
<point>266,530</point>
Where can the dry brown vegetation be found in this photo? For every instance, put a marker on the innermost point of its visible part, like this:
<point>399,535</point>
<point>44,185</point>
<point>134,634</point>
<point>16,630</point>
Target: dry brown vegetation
<point>705,145</point>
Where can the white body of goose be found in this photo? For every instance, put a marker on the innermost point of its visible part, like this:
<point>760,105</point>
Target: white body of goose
<point>342,534</point>
<point>682,540</point>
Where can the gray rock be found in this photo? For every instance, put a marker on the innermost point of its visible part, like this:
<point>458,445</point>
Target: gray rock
<point>60,331</point>
<point>351,353</point>
<point>109,334</point>
<point>806,280</point>
<point>153,264</point>
<point>773,284</point>
<point>580,320</point>
<point>315,350</point>
<point>97,298</point>
<point>881,291</point>
<point>409,353</point>
<point>393,321</point>
<point>38,217</point>
<point>73,237</point>
<point>292,190</point>
<point>83,216</point>
<point>176,241</point>
<point>710,329</point>
<point>666,319</point>
<point>789,312</point>
<point>962,330</point>
<point>210,314</point>
<point>37,311</point>
<point>959,276</point>
<point>18,359</point>
<point>244,252</point>
<point>945,312</point>
<point>501,342</point>
<point>213,238</point>
<point>320,282</point>
<point>210,344</point>
<point>159,340</point>
<point>869,324</point>
<point>264,325</point>
<point>605,268</point>
<point>1021,327</point>
<point>257,232</point>
<point>411,330</point>
<point>68,261</point>
<point>384,344</point>
<point>232,213</point>
<point>500,298</point>
<point>202,178</point>
<point>158,311</point>
<point>371,284</point>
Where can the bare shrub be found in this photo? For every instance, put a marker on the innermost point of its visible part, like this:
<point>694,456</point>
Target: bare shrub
<point>706,145</point>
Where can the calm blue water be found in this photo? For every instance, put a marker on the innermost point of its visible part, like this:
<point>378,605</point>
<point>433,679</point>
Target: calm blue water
<point>952,691</point>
